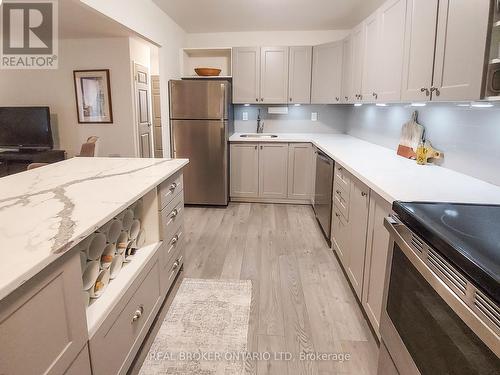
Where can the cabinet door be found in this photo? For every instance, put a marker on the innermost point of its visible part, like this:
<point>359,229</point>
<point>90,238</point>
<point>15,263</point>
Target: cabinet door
<point>377,247</point>
<point>358,47</point>
<point>358,223</point>
<point>244,160</point>
<point>327,73</point>
<point>299,170</point>
<point>299,75</point>
<point>347,93</point>
<point>246,74</point>
<point>370,58</point>
<point>392,28</point>
<point>418,61</point>
<point>43,326</point>
<point>273,170</point>
<point>274,75</point>
<point>458,64</point>
<point>340,236</point>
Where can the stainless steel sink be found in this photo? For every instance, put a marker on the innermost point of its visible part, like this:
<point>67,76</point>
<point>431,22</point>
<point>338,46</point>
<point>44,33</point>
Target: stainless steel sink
<point>255,135</point>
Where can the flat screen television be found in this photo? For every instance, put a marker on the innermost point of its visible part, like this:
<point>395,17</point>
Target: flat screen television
<point>25,128</point>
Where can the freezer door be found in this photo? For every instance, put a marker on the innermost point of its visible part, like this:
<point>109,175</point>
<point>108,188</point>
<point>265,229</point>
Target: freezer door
<point>204,143</point>
<point>196,99</point>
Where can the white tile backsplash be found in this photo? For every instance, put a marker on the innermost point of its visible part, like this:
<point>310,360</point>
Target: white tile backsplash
<point>469,137</point>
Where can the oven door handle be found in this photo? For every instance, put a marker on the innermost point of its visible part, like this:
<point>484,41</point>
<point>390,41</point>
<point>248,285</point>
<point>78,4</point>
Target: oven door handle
<point>464,309</point>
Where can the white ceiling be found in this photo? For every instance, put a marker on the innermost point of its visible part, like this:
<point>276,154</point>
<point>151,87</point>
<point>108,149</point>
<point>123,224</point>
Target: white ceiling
<point>200,16</point>
<point>78,21</point>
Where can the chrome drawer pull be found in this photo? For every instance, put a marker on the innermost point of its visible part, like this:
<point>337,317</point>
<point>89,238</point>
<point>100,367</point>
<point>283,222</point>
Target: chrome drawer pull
<point>138,313</point>
<point>174,213</point>
<point>173,186</point>
<point>176,265</point>
<point>175,239</point>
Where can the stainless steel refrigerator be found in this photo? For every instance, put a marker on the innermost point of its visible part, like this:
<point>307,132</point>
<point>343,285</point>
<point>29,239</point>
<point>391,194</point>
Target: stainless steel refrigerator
<point>200,124</point>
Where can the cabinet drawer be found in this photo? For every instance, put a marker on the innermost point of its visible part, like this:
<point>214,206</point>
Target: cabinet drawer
<point>341,200</point>
<point>169,189</point>
<point>115,344</point>
<point>170,248</point>
<point>172,269</point>
<point>340,236</point>
<point>342,177</point>
<point>172,218</point>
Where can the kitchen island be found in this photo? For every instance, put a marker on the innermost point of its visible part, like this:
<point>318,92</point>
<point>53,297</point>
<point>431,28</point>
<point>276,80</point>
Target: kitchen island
<point>47,217</point>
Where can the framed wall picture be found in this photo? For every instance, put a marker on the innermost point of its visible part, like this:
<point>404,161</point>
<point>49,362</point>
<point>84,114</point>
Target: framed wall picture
<point>93,96</point>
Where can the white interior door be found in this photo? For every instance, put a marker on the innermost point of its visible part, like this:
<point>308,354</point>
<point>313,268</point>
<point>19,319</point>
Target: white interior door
<point>143,111</point>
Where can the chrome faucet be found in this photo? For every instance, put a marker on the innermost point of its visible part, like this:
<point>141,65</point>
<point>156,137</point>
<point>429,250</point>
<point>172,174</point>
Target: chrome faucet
<point>260,124</point>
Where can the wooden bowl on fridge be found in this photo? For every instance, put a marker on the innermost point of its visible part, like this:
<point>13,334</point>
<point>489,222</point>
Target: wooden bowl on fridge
<point>207,72</point>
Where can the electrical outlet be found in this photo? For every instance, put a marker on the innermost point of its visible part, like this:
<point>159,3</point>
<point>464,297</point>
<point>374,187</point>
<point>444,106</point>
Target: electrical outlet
<point>314,116</point>
<point>245,116</point>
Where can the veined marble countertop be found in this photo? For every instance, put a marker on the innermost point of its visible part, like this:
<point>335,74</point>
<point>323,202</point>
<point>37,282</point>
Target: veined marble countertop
<point>391,176</point>
<point>44,212</point>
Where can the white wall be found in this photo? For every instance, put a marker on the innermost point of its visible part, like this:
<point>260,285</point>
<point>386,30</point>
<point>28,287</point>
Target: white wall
<point>263,38</point>
<point>469,137</point>
<point>149,21</point>
<point>331,119</point>
<point>55,88</point>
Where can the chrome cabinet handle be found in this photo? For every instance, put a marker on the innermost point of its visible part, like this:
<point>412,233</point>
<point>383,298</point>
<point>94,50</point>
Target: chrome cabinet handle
<point>256,99</point>
<point>347,98</point>
<point>261,147</point>
<point>290,99</point>
<point>176,265</point>
<point>363,194</point>
<point>138,313</point>
<point>261,99</point>
<point>426,90</point>
<point>338,192</point>
<point>175,239</point>
<point>375,95</point>
<point>174,213</point>
<point>256,147</point>
<point>172,186</point>
<point>337,98</point>
<point>360,96</point>
<point>336,214</point>
<point>436,90</point>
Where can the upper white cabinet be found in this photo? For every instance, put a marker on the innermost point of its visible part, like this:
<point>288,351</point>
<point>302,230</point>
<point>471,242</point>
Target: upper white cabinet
<point>443,60</point>
<point>260,75</point>
<point>327,73</point>
<point>358,47</point>
<point>274,75</point>
<point>347,91</point>
<point>370,58</point>
<point>460,50</point>
<point>299,75</point>
<point>420,34</point>
<point>246,74</point>
<point>390,47</point>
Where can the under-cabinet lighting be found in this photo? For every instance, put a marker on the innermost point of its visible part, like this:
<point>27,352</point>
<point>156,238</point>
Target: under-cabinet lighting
<point>358,104</point>
<point>418,104</point>
<point>481,105</point>
<point>381,105</point>
<point>463,105</point>
<point>296,105</point>
<point>246,105</point>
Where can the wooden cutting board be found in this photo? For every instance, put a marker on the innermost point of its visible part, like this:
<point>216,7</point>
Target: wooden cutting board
<point>411,135</point>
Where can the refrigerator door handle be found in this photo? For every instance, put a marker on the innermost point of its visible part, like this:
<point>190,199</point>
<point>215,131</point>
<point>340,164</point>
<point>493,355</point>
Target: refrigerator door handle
<point>223,101</point>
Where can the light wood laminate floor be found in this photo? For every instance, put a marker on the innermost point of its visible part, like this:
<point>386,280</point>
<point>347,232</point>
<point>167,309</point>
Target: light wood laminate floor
<point>301,301</point>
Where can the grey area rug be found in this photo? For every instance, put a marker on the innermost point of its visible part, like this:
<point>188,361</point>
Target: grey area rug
<point>204,331</point>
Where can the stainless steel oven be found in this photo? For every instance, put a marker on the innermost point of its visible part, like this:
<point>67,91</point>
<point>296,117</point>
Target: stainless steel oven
<point>434,321</point>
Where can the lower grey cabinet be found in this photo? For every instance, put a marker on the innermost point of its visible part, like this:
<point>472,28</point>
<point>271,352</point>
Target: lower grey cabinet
<point>43,324</point>
<point>273,170</point>
<point>115,344</point>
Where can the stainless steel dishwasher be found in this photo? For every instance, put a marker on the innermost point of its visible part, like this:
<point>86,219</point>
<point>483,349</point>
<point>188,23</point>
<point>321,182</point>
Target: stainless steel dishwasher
<point>323,193</point>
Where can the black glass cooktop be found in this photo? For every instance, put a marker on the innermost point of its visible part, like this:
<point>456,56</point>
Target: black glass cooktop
<point>468,235</point>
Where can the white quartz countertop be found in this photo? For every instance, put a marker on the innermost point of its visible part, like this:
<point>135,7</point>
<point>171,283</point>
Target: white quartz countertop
<point>44,212</point>
<point>391,176</point>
